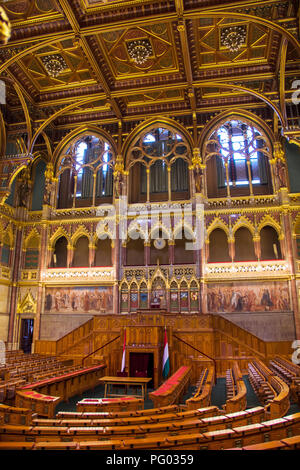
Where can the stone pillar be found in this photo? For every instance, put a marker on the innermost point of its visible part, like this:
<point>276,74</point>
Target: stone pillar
<point>15,273</point>
<point>92,253</point>
<point>147,253</point>
<point>123,253</point>
<point>257,247</point>
<point>231,247</point>
<point>171,247</point>
<point>206,248</point>
<point>287,227</point>
<point>44,261</point>
<point>70,255</point>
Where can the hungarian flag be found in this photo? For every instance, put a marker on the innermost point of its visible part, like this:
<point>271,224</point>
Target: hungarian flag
<point>166,361</point>
<point>123,357</point>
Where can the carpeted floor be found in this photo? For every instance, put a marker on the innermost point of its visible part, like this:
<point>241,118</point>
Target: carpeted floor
<point>218,397</point>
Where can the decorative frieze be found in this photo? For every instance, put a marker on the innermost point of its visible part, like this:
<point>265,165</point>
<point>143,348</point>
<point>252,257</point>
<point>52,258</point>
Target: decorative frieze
<point>78,275</point>
<point>247,270</point>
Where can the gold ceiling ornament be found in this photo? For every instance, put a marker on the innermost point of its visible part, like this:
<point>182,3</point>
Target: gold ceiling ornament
<point>234,37</point>
<point>54,64</point>
<point>5,27</point>
<point>139,50</point>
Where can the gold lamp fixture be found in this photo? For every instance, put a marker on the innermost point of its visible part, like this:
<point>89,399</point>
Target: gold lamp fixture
<point>54,64</point>
<point>233,37</point>
<point>5,27</point>
<point>139,50</point>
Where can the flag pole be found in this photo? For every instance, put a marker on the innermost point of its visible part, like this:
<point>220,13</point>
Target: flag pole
<point>166,360</point>
<point>124,353</point>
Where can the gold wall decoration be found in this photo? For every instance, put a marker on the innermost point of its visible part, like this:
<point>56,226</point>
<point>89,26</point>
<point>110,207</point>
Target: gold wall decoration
<point>28,304</point>
<point>5,27</point>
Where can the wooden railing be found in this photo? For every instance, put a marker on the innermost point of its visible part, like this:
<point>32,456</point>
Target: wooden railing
<point>200,352</point>
<point>238,401</point>
<point>202,396</point>
<point>279,404</point>
<point>99,349</point>
<point>172,389</point>
<point>62,345</point>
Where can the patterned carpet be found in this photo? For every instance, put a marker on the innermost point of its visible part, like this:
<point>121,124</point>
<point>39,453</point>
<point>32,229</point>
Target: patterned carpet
<point>218,397</point>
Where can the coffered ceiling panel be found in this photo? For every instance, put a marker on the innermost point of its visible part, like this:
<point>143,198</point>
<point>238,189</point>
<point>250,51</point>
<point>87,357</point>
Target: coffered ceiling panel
<point>133,59</point>
<point>31,10</point>
<point>58,66</point>
<point>135,51</point>
<point>230,42</point>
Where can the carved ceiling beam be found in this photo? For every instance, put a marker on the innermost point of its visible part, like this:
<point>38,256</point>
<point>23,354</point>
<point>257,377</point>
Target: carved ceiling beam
<point>86,48</point>
<point>35,47</point>
<point>55,116</point>
<point>69,13</point>
<point>195,14</point>
<point>100,77</point>
<point>283,56</point>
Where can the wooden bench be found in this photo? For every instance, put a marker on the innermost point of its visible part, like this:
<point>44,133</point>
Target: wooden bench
<point>172,389</point>
<point>16,415</point>
<point>237,396</point>
<point>110,404</point>
<point>84,438</point>
<point>202,396</point>
<point>42,405</point>
<point>45,393</point>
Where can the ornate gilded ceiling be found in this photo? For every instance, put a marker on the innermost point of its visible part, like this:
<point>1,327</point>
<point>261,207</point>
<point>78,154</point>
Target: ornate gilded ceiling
<point>111,62</point>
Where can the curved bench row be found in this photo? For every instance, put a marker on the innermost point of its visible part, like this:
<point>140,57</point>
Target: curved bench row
<point>203,395</point>
<point>203,417</point>
<point>237,401</point>
<point>272,391</point>
<point>43,396</point>
<point>172,389</point>
<point>239,436</point>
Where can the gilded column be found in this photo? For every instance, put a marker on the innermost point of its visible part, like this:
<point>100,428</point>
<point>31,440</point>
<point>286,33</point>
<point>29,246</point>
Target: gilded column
<point>46,252</point>
<point>287,228</point>
<point>171,247</point>
<point>23,191</point>
<point>147,253</point>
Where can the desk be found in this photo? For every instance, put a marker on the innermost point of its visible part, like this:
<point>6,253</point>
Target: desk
<point>127,381</point>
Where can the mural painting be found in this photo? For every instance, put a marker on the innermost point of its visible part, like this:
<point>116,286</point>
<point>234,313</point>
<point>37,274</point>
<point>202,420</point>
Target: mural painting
<point>79,299</point>
<point>253,297</point>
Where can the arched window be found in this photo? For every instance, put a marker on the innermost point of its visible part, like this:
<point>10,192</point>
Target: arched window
<point>218,247</point>
<point>81,253</point>
<point>183,251</point>
<point>38,186</point>
<point>135,252</point>
<point>245,151</point>
<point>158,165</point>
<point>297,232</point>
<point>244,246</point>
<point>85,173</point>
<point>5,252</point>
<point>103,253</point>
<point>32,253</point>
<point>60,254</point>
<point>269,243</point>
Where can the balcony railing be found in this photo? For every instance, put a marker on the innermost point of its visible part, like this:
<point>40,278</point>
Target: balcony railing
<point>103,274</point>
<point>250,269</point>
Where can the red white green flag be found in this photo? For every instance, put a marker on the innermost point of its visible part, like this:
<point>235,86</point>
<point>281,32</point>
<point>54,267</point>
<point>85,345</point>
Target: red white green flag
<point>124,353</point>
<point>166,360</point>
